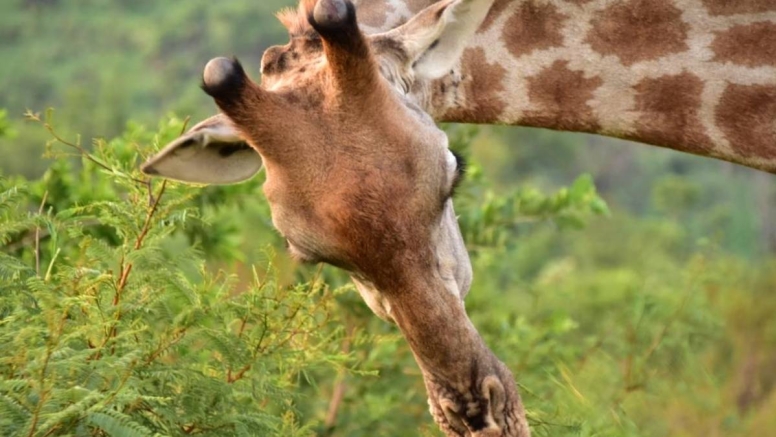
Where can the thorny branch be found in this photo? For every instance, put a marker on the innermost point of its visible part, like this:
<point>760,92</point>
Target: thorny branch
<point>127,269</point>
<point>287,327</point>
<point>154,202</point>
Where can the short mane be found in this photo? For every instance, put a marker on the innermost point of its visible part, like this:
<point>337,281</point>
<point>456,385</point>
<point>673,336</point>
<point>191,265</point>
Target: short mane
<point>295,20</point>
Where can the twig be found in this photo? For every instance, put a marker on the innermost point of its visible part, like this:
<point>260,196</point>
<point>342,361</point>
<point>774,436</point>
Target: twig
<point>176,337</point>
<point>37,235</point>
<point>150,215</point>
<point>127,269</point>
<point>138,244</point>
<point>84,153</point>
<point>44,394</point>
<point>334,405</point>
<point>30,238</point>
<point>185,124</point>
<point>51,265</point>
<point>53,430</point>
<point>339,389</point>
<point>658,340</point>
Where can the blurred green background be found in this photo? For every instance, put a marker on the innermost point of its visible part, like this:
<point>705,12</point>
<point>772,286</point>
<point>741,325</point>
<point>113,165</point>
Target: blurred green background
<point>652,317</point>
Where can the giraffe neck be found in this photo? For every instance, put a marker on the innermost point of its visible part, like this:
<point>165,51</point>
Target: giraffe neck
<point>697,76</point>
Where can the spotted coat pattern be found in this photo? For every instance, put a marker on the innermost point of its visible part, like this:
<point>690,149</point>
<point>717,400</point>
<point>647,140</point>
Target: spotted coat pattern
<point>693,75</point>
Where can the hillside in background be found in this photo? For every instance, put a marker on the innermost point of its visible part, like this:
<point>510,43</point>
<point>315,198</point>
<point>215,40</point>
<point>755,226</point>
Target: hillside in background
<point>101,64</point>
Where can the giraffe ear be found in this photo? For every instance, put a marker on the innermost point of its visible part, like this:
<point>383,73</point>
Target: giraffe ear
<point>212,152</point>
<point>435,37</point>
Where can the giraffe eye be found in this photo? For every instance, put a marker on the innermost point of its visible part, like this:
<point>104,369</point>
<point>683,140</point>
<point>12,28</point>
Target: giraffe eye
<point>460,170</point>
<point>458,173</point>
<point>460,165</point>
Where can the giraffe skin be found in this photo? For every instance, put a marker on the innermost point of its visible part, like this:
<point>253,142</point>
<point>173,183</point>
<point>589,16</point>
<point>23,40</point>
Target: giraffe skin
<point>698,76</point>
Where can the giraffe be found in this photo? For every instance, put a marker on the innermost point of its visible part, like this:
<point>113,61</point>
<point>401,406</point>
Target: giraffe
<point>692,78</point>
<point>360,177</point>
<point>697,76</point>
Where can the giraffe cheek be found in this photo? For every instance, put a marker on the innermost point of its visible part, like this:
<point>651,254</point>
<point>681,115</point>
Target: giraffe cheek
<point>270,189</point>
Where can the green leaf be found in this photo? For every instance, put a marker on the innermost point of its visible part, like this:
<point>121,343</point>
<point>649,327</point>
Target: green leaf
<point>116,424</point>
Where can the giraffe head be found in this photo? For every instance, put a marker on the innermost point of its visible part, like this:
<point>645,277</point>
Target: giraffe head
<point>358,176</point>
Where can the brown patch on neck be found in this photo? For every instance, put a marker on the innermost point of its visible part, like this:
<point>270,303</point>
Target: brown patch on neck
<point>747,116</point>
<point>731,7</point>
<point>669,108</point>
<point>562,95</point>
<point>481,88</point>
<point>639,30</point>
<point>752,45</point>
<point>533,27</point>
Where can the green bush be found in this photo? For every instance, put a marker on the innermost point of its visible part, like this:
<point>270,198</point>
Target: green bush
<point>108,327</point>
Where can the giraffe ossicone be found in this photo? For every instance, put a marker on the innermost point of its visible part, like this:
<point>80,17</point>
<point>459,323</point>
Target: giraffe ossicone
<point>223,74</point>
<point>331,13</point>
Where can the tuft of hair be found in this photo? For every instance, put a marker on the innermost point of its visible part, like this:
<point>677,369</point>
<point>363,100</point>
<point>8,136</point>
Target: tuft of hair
<point>295,20</point>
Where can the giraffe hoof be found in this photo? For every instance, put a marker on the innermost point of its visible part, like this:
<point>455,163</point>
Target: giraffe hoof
<point>223,77</point>
<point>331,13</point>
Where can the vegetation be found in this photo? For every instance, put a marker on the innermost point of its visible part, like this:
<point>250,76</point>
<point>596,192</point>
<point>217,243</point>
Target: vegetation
<point>137,307</point>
